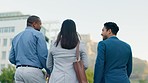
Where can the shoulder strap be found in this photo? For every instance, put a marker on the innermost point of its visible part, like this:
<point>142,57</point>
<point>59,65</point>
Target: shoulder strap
<point>77,52</point>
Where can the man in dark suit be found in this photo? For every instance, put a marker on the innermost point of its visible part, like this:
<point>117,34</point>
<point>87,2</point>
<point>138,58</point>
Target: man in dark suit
<point>114,57</point>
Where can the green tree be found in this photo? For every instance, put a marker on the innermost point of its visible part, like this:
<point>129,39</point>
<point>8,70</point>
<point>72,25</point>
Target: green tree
<point>142,81</point>
<point>7,75</point>
<point>89,74</point>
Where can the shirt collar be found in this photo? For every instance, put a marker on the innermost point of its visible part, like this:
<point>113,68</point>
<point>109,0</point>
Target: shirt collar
<point>29,27</point>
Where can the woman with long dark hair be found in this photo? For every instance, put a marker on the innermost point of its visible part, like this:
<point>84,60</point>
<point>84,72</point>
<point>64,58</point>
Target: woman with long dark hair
<point>62,54</point>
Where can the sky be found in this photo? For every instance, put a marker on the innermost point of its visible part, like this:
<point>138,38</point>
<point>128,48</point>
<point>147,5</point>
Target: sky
<point>89,15</point>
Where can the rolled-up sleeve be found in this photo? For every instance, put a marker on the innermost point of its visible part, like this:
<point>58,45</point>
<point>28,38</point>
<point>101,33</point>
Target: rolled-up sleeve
<point>83,54</point>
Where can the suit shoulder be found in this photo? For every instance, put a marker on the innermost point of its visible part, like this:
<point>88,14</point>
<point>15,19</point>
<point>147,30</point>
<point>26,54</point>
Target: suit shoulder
<point>102,42</point>
<point>125,43</point>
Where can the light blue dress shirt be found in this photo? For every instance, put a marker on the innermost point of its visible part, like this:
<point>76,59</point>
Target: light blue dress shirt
<point>29,48</point>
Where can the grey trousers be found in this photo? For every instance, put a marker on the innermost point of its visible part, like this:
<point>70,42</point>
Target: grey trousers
<point>29,75</point>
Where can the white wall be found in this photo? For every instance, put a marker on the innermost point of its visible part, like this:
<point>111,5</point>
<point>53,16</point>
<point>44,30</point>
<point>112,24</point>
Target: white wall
<point>19,26</point>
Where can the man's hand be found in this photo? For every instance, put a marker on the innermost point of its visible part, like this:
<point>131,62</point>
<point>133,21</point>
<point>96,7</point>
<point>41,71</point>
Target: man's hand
<point>47,77</point>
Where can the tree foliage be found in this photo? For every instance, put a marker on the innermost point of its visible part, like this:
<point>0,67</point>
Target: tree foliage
<point>89,74</point>
<point>7,75</point>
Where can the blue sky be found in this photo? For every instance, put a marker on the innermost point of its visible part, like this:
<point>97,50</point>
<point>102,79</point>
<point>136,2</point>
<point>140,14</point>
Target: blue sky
<point>90,15</point>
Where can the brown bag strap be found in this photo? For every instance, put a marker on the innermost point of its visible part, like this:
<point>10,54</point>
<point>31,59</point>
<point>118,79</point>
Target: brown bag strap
<point>77,52</point>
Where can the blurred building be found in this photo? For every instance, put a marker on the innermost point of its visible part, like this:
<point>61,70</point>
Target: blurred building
<point>53,28</point>
<point>12,23</point>
<point>91,48</point>
<point>90,45</point>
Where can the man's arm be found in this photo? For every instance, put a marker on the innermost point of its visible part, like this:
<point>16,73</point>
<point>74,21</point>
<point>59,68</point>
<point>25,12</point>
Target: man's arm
<point>42,51</point>
<point>129,65</point>
<point>99,66</point>
<point>12,55</point>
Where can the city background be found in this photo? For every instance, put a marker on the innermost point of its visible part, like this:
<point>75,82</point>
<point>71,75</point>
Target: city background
<point>11,23</point>
<point>90,15</point>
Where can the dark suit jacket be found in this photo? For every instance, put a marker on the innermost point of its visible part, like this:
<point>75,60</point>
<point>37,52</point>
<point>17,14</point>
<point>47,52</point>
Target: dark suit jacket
<point>113,62</point>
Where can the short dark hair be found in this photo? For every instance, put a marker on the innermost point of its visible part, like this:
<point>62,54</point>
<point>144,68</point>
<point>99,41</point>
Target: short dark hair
<point>113,26</point>
<point>32,19</point>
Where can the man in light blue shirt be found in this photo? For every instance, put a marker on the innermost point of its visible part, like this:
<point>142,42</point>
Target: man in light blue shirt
<point>29,53</point>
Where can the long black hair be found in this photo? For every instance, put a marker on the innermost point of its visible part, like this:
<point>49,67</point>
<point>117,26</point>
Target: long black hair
<point>68,35</point>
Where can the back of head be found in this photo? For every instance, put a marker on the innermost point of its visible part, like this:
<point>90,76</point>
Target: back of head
<point>68,35</point>
<point>68,27</point>
<point>32,19</point>
<point>113,26</point>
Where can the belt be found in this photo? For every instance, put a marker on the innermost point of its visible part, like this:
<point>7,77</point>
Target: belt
<point>27,66</point>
